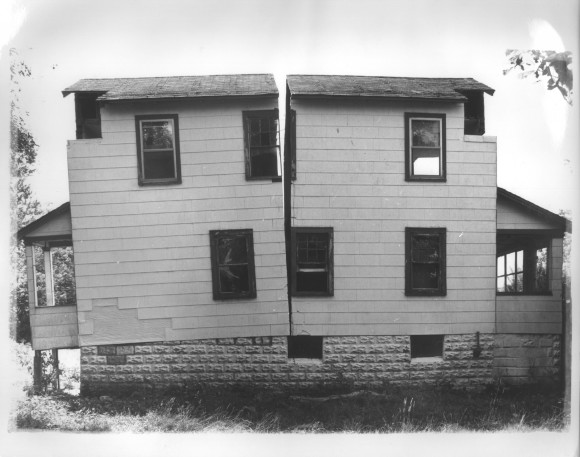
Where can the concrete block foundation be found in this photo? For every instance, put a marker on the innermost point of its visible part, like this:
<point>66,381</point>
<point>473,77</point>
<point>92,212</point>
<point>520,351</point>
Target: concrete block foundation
<point>372,361</point>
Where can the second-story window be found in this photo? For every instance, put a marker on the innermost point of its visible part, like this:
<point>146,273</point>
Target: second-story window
<point>261,144</point>
<point>425,140</point>
<point>158,149</point>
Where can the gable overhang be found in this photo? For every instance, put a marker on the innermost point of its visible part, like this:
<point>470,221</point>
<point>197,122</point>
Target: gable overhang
<point>53,227</point>
<point>561,224</point>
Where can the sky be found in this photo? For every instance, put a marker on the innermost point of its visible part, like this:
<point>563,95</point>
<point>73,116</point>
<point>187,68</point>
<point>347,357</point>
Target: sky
<point>63,41</point>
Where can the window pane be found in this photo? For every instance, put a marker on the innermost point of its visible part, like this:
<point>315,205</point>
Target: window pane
<point>264,161</point>
<point>427,166</point>
<point>158,164</point>
<point>157,134</point>
<point>425,276</point>
<point>541,283</point>
<point>40,276</point>
<point>311,248</point>
<point>63,276</point>
<point>520,282</point>
<point>501,284</point>
<point>232,250</point>
<point>510,283</point>
<point>511,262</point>
<point>263,132</point>
<point>312,281</point>
<point>234,279</point>
<point>520,261</point>
<point>425,248</point>
<point>501,265</point>
<point>426,133</point>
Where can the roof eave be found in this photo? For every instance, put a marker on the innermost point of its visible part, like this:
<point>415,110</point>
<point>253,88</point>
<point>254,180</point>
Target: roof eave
<point>459,99</point>
<point>185,97</point>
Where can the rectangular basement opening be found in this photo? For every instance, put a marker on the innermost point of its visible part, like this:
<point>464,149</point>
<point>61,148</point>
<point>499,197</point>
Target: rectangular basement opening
<point>426,346</point>
<point>305,347</point>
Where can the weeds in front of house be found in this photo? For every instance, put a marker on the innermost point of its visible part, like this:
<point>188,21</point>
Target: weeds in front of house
<point>391,410</point>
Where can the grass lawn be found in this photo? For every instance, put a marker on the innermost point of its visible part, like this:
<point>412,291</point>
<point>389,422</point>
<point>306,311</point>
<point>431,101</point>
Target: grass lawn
<point>203,409</point>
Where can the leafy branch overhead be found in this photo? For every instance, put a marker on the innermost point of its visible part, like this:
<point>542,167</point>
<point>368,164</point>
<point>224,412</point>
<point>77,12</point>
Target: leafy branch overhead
<point>555,68</point>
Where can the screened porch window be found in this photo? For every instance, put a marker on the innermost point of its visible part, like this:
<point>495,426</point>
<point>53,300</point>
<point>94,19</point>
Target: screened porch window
<point>54,275</point>
<point>524,268</point>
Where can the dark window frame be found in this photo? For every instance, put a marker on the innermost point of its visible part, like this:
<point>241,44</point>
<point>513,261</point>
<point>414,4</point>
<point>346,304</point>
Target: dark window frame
<point>295,233</point>
<point>247,117</point>
<point>176,150</point>
<point>441,233</point>
<point>427,346</point>
<point>215,236</point>
<point>409,176</point>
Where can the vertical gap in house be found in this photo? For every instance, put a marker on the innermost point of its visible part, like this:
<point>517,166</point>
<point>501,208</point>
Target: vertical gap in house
<point>287,202</point>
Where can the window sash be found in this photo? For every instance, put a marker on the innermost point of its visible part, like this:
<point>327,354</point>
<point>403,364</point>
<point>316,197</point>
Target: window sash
<point>421,152</point>
<point>233,274</point>
<point>146,151</point>
<point>312,261</point>
<point>425,139</point>
<point>261,144</point>
<point>158,149</point>
<point>425,262</point>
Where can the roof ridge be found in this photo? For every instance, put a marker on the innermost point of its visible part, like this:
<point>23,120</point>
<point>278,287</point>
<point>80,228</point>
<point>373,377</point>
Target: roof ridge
<point>384,76</point>
<point>176,76</point>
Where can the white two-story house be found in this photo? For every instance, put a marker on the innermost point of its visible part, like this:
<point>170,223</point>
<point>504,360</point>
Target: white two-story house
<point>379,250</point>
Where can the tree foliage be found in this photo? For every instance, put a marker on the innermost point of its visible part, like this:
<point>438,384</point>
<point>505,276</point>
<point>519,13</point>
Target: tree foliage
<point>23,205</point>
<point>554,68</point>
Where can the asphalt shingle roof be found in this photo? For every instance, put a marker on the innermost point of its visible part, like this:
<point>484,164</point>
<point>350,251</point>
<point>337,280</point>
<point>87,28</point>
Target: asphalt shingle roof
<point>383,87</point>
<point>118,89</point>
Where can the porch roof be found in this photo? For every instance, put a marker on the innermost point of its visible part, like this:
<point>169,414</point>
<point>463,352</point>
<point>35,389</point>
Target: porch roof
<point>54,225</point>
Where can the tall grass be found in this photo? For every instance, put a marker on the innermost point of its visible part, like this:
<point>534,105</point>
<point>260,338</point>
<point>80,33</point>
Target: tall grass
<point>247,411</point>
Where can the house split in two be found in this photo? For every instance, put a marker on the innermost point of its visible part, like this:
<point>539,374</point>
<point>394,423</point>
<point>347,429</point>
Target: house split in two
<point>374,248</point>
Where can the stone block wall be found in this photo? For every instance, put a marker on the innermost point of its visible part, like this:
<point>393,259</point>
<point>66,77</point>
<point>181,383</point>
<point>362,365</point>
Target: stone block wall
<point>522,359</point>
<point>264,362</point>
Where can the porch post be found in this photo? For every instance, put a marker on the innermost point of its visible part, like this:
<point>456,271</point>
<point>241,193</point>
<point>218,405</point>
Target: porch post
<point>37,375</point>
<point>56,377</point>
